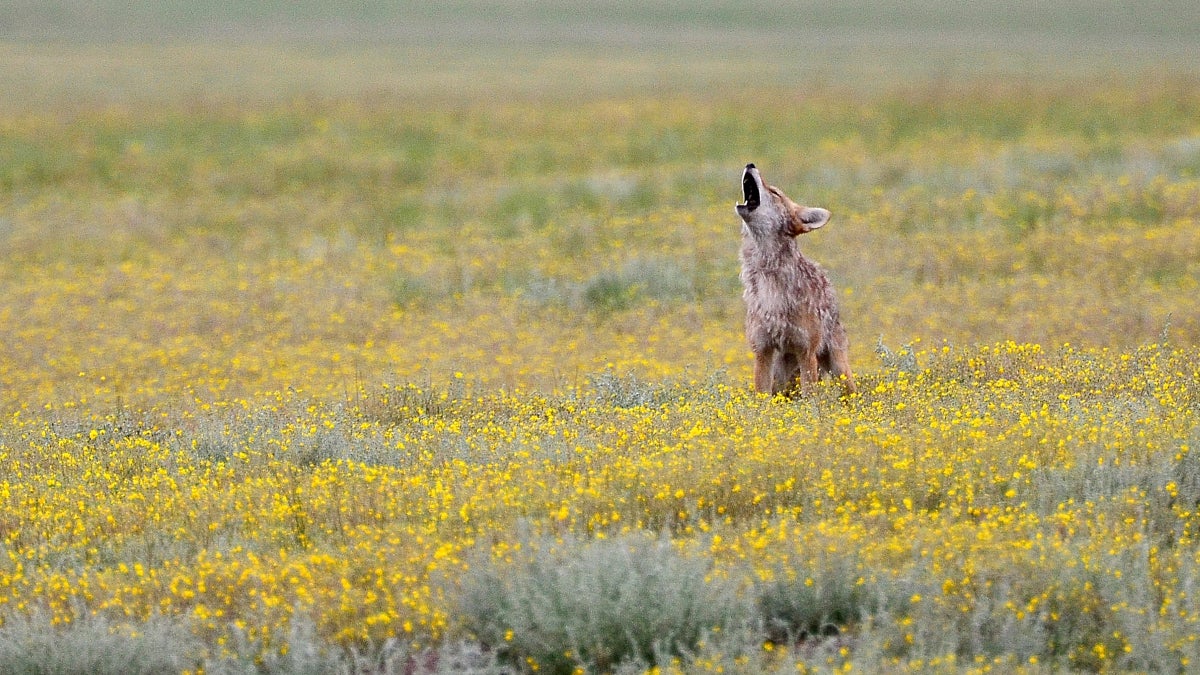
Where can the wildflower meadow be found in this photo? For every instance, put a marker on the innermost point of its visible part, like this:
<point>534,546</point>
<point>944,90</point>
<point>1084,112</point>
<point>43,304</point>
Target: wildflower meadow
<point>333,355</point>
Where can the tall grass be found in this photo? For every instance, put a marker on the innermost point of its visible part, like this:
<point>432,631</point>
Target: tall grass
<point>596,605</point>
<point>33,645</point>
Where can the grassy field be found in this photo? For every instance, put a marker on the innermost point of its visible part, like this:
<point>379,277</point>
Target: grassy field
<point>408,339</point>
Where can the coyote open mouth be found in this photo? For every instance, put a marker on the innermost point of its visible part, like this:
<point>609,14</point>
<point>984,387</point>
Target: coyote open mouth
<point>749,190</point>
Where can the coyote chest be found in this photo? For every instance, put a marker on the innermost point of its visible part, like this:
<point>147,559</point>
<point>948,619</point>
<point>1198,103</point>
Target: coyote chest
<point>785,304</point>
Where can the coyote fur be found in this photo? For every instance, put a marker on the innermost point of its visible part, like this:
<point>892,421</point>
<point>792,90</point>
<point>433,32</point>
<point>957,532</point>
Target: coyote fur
<point>792,320</point>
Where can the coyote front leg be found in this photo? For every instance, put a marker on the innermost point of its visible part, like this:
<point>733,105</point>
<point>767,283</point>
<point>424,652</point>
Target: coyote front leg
<point>764,371</point>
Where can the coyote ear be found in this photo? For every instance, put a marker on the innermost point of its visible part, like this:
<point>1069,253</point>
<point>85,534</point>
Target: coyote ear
<point>807,219</point>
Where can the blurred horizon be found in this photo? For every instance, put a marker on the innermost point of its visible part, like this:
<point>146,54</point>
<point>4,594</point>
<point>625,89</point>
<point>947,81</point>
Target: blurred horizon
<point>123,50</point>
<point>582,23</point>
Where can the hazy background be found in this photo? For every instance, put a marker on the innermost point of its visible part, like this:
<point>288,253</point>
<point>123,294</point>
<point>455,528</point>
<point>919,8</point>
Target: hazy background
<point>119,49</point>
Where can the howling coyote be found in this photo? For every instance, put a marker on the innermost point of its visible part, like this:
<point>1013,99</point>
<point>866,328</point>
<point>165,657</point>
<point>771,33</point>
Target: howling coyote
<point>792,318</point>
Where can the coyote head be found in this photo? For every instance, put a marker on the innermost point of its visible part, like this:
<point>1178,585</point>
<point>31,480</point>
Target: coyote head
<point>767,211</point>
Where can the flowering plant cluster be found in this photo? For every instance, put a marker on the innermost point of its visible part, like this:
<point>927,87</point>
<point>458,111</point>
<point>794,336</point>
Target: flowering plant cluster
<point>416,380</point>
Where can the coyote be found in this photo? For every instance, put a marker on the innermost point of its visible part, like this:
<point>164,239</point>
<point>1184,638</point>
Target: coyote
<point>792,320</point>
